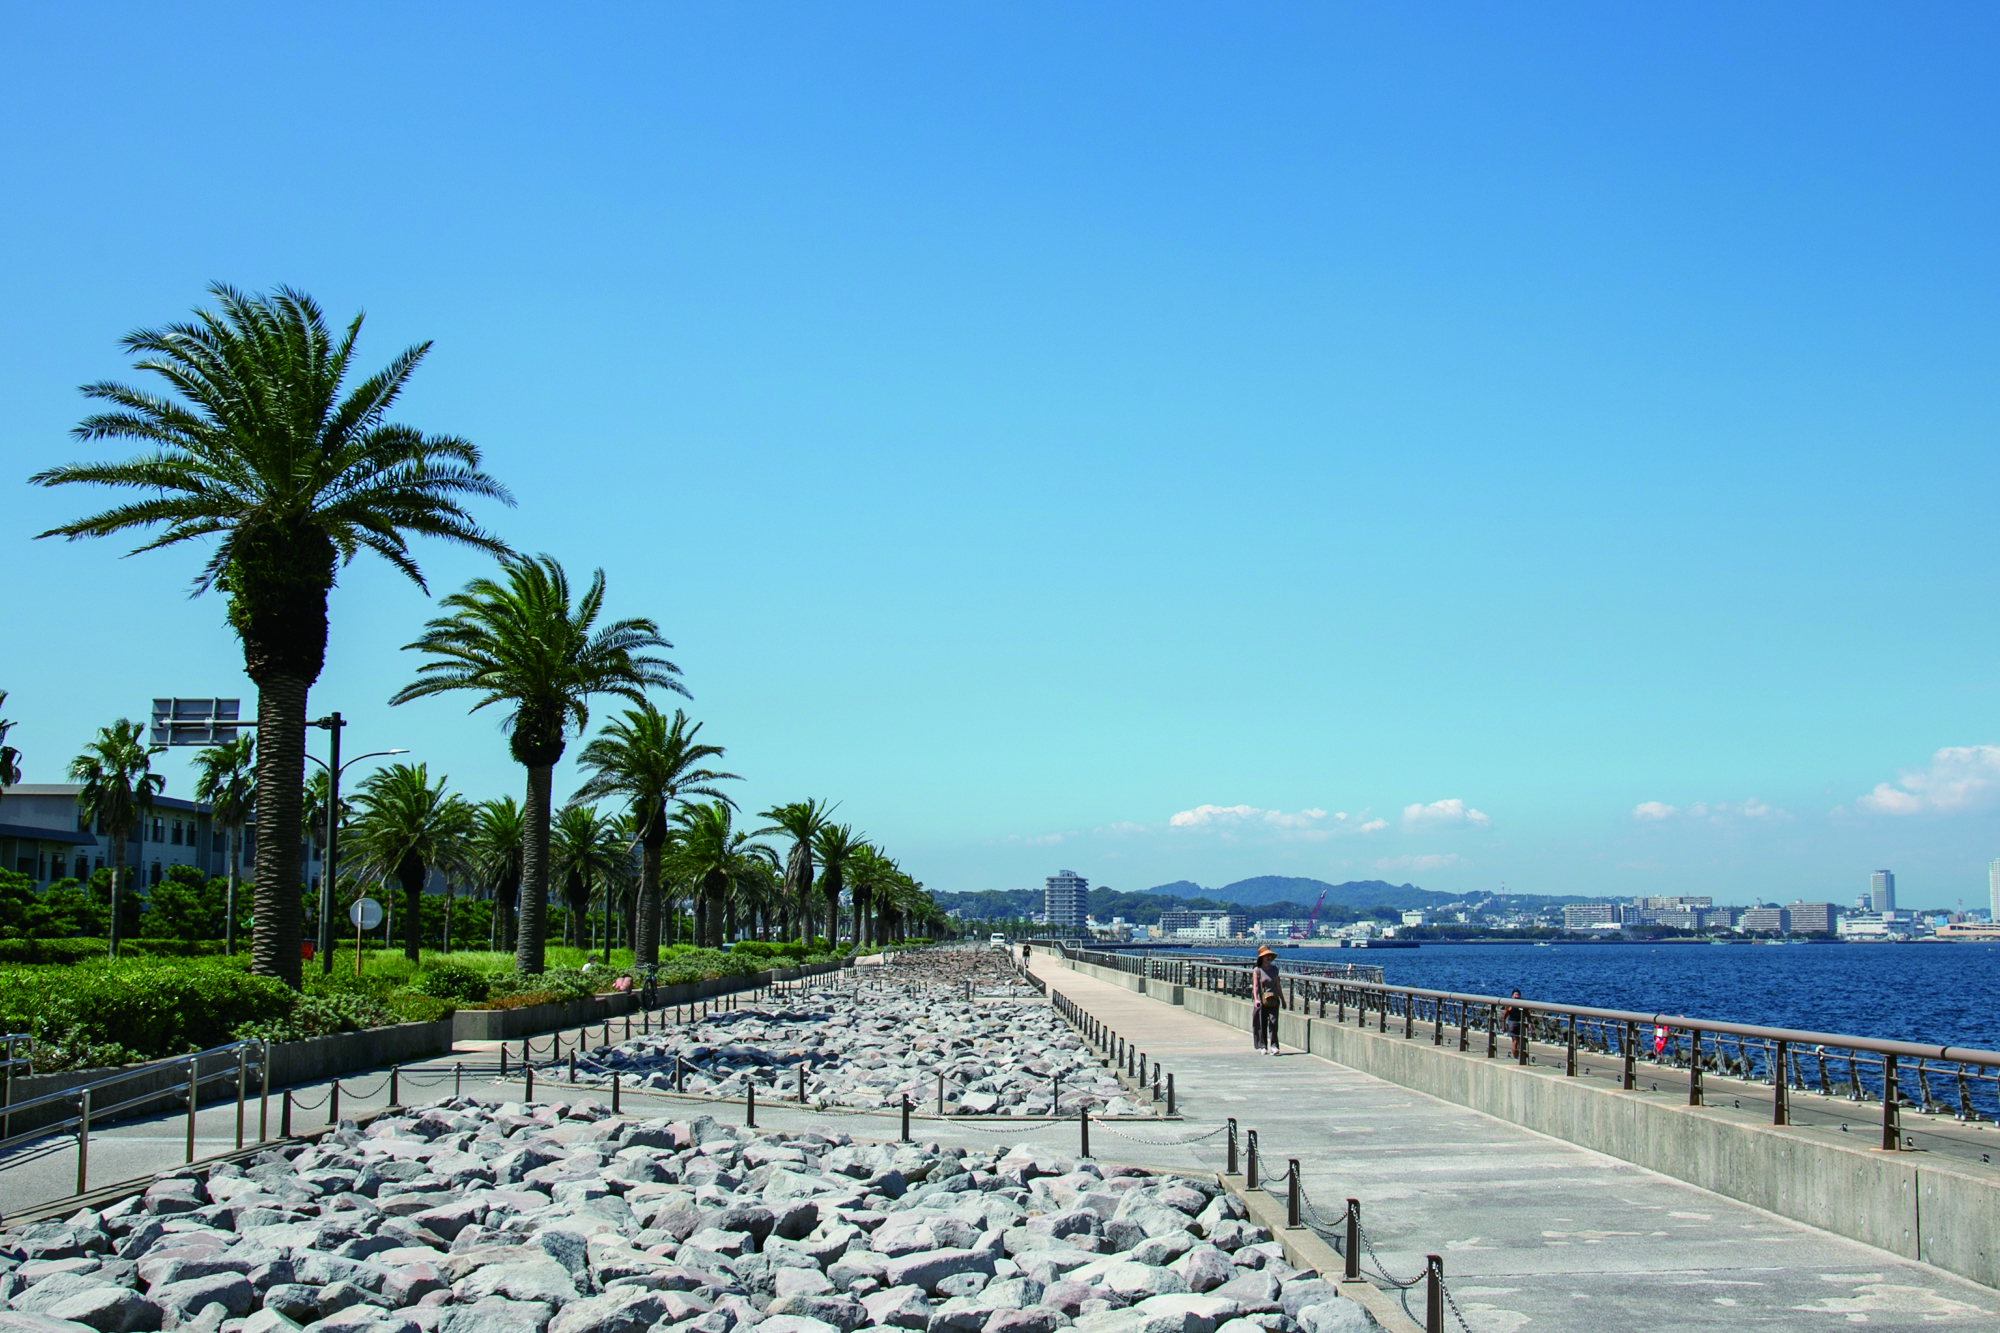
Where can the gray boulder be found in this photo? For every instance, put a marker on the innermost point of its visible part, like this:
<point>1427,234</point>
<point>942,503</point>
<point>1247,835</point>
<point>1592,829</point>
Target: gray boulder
<point>898,1307</point>
<point>232,1291</point>
<point>1337,1316</point>
<point>110,1310</point>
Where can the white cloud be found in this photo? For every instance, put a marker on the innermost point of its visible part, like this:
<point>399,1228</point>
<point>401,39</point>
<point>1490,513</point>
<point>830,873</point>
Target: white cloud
<point>1224,816</point>
<point>1438,813</point>
<point>1712,811</point>
<point>1372,826</point>
<point>1960,777</point>
<point>1432,861</point>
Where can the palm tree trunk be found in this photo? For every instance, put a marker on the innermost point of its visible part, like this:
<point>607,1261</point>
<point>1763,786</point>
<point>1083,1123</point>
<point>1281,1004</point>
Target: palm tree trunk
<point>646,938</point>
<point>117,874</point>
<point>413,872</point>
<point>531,948</point>
<point>281,765</point>
<point>229,898</point>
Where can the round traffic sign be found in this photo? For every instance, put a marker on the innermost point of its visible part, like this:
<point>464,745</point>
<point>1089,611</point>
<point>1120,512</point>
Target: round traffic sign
<point>365,913</point>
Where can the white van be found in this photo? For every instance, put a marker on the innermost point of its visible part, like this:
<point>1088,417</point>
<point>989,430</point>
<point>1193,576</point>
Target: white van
<point>997,941</point>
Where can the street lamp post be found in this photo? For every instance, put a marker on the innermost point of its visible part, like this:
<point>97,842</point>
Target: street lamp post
<point>333,722</point>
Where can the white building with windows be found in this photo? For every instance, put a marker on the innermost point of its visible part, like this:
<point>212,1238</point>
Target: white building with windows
<point>1064,900</point>
<point>43,837</point>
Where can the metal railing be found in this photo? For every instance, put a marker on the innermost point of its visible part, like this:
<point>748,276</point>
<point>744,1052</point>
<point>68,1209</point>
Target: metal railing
<point>1191,969</point>
<point>1960,1082</point>
<point>91,1104</point>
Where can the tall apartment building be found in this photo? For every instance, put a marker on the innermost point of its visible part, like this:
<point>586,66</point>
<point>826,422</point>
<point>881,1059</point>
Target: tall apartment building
<point>1582,916</point>
<point>1760,920</point>
<point>1882,891</point>
<point>1811,918</point>
<point>1064,900</point>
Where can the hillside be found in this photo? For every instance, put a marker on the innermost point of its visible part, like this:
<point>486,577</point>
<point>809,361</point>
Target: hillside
<point>1263,890</point>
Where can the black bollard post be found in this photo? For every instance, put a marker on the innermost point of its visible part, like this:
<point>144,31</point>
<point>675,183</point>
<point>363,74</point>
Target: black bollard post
<point>906,1118</point>
<point>1433,1294</point>
<point>1083,1127</point>
<point>1352,1272</point>
<point>614,1092</point>
<point>1292,1198</point>
<point>572,1066</point>
<point>1170,1094</point>
<point>802,1085</point>
<point>285,1115</point>
<point>528,1079</point>
<point>1250,1161</point>
<point>1232,1146</point>
<point>750,1106</point>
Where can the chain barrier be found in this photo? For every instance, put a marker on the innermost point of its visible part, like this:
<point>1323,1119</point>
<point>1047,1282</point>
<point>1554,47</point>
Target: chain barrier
<point>1112,1125</point>
<point>1315,1219</point>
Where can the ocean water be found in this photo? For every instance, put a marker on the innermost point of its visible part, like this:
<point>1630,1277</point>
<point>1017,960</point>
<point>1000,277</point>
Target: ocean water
<point>1943,994</point>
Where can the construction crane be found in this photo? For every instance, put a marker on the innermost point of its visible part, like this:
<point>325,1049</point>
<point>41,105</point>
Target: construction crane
<point>1313,918</point>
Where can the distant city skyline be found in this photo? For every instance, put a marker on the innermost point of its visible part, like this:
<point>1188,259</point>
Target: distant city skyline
<point>1168,443</point>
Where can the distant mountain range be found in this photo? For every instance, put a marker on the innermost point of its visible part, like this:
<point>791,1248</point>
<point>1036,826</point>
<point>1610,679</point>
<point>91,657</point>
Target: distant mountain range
<point>1261,889</point>
<point>1283,896</point>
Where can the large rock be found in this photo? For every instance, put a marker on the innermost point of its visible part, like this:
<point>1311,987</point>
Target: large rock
<point>1204,1267</point>
<point>842,1313</point>
<point>898,1307</point>
<point>232,1291</point>
<point>542,1280</point>
<point>495,1314</point>
<point>622,1310</point>
<point>1337,1316</point>
<point>928,1269</point>
<point>110,1310</point>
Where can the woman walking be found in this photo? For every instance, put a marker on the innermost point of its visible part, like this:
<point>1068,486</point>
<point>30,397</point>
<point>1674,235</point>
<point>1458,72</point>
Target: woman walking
<point>1267,994</point>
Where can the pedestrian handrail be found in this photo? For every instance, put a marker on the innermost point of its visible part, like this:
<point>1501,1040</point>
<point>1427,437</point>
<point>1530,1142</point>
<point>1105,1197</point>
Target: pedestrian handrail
<point>1774,1056</point>
<point>1171,965</point>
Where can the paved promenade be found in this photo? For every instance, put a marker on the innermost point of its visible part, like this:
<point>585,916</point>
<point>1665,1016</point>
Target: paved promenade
<point>1535,1233</point>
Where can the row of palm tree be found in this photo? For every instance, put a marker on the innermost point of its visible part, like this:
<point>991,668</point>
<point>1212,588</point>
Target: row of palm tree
<point>258,443</point>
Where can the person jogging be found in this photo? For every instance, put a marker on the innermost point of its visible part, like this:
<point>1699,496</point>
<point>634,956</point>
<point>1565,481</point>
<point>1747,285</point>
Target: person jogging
<point>1267,996</point>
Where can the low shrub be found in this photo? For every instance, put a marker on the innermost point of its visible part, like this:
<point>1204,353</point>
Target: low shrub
<point>687,965</point>
<point>523,999</point>
<point>413,1007</point>
<point>319,1016</point>
<point>446,979</point>
<point>144,1006</point>
<point>54,951</point>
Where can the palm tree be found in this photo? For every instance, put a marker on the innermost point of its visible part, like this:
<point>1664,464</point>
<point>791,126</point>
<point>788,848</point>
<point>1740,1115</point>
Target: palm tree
<point>116,770</point>
<point>651,763</point>
<point>872,875</point>
<point>835,845</point>
<point>254,443</point>
<point>520,643</point>
<point>497,832</point>
<point>10,758</point>
<point>717,857</point>
<point>585,853</point>
<point>405,826</point>
<point>226,778</point>
<point>803,820</point>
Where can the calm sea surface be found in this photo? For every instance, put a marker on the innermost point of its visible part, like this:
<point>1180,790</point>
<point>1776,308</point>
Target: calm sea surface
<point>1948,994</point>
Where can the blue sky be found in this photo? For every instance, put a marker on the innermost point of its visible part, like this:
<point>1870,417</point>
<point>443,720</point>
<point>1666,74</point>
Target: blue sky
<point>1440,445</point>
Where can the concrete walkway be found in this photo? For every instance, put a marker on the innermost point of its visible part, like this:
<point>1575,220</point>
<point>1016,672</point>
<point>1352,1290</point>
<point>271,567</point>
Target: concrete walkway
<point>1535,1233</point>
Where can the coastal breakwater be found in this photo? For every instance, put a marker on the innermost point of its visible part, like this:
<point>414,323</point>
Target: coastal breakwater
<point>1916,1205</point>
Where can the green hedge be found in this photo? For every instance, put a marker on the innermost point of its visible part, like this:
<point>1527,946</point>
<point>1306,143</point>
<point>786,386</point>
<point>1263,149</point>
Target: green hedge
<point>135,1009</point>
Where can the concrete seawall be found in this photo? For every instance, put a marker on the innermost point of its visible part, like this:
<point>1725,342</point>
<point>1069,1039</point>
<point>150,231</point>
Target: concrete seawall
<point>1911,1204</point>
